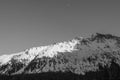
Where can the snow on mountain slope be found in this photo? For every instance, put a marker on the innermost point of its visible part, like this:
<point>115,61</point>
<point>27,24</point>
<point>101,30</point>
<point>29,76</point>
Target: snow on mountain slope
<point>63,56</point>
<point>5,58</point>
<point>52,50</point>
<point>48,51</point>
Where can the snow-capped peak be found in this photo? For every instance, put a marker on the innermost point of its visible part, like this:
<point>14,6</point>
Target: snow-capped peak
<point>52,50</point>
<point>47,51</point>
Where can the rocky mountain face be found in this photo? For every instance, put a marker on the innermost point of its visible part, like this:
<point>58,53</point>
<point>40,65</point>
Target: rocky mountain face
<point>94,58</point>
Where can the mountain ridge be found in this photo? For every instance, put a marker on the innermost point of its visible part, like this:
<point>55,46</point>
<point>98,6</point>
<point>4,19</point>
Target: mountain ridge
<point>78,56</point>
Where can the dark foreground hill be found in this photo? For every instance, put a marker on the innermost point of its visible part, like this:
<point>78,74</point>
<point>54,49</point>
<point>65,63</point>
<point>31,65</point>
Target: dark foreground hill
<point>94,58</point>
<point>104,74</point>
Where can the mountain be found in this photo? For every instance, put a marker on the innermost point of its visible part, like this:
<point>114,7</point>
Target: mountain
<point>94,58</point>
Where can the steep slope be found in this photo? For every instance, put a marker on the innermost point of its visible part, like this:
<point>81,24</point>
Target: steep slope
<point>15,63</point>
<point>89,55</point>
<point>97,55</point>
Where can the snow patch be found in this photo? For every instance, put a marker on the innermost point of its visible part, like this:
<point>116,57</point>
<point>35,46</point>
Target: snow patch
<point>48,51</point>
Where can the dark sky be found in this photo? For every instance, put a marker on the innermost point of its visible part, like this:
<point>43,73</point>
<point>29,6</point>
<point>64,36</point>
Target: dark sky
<point>28,23</point>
